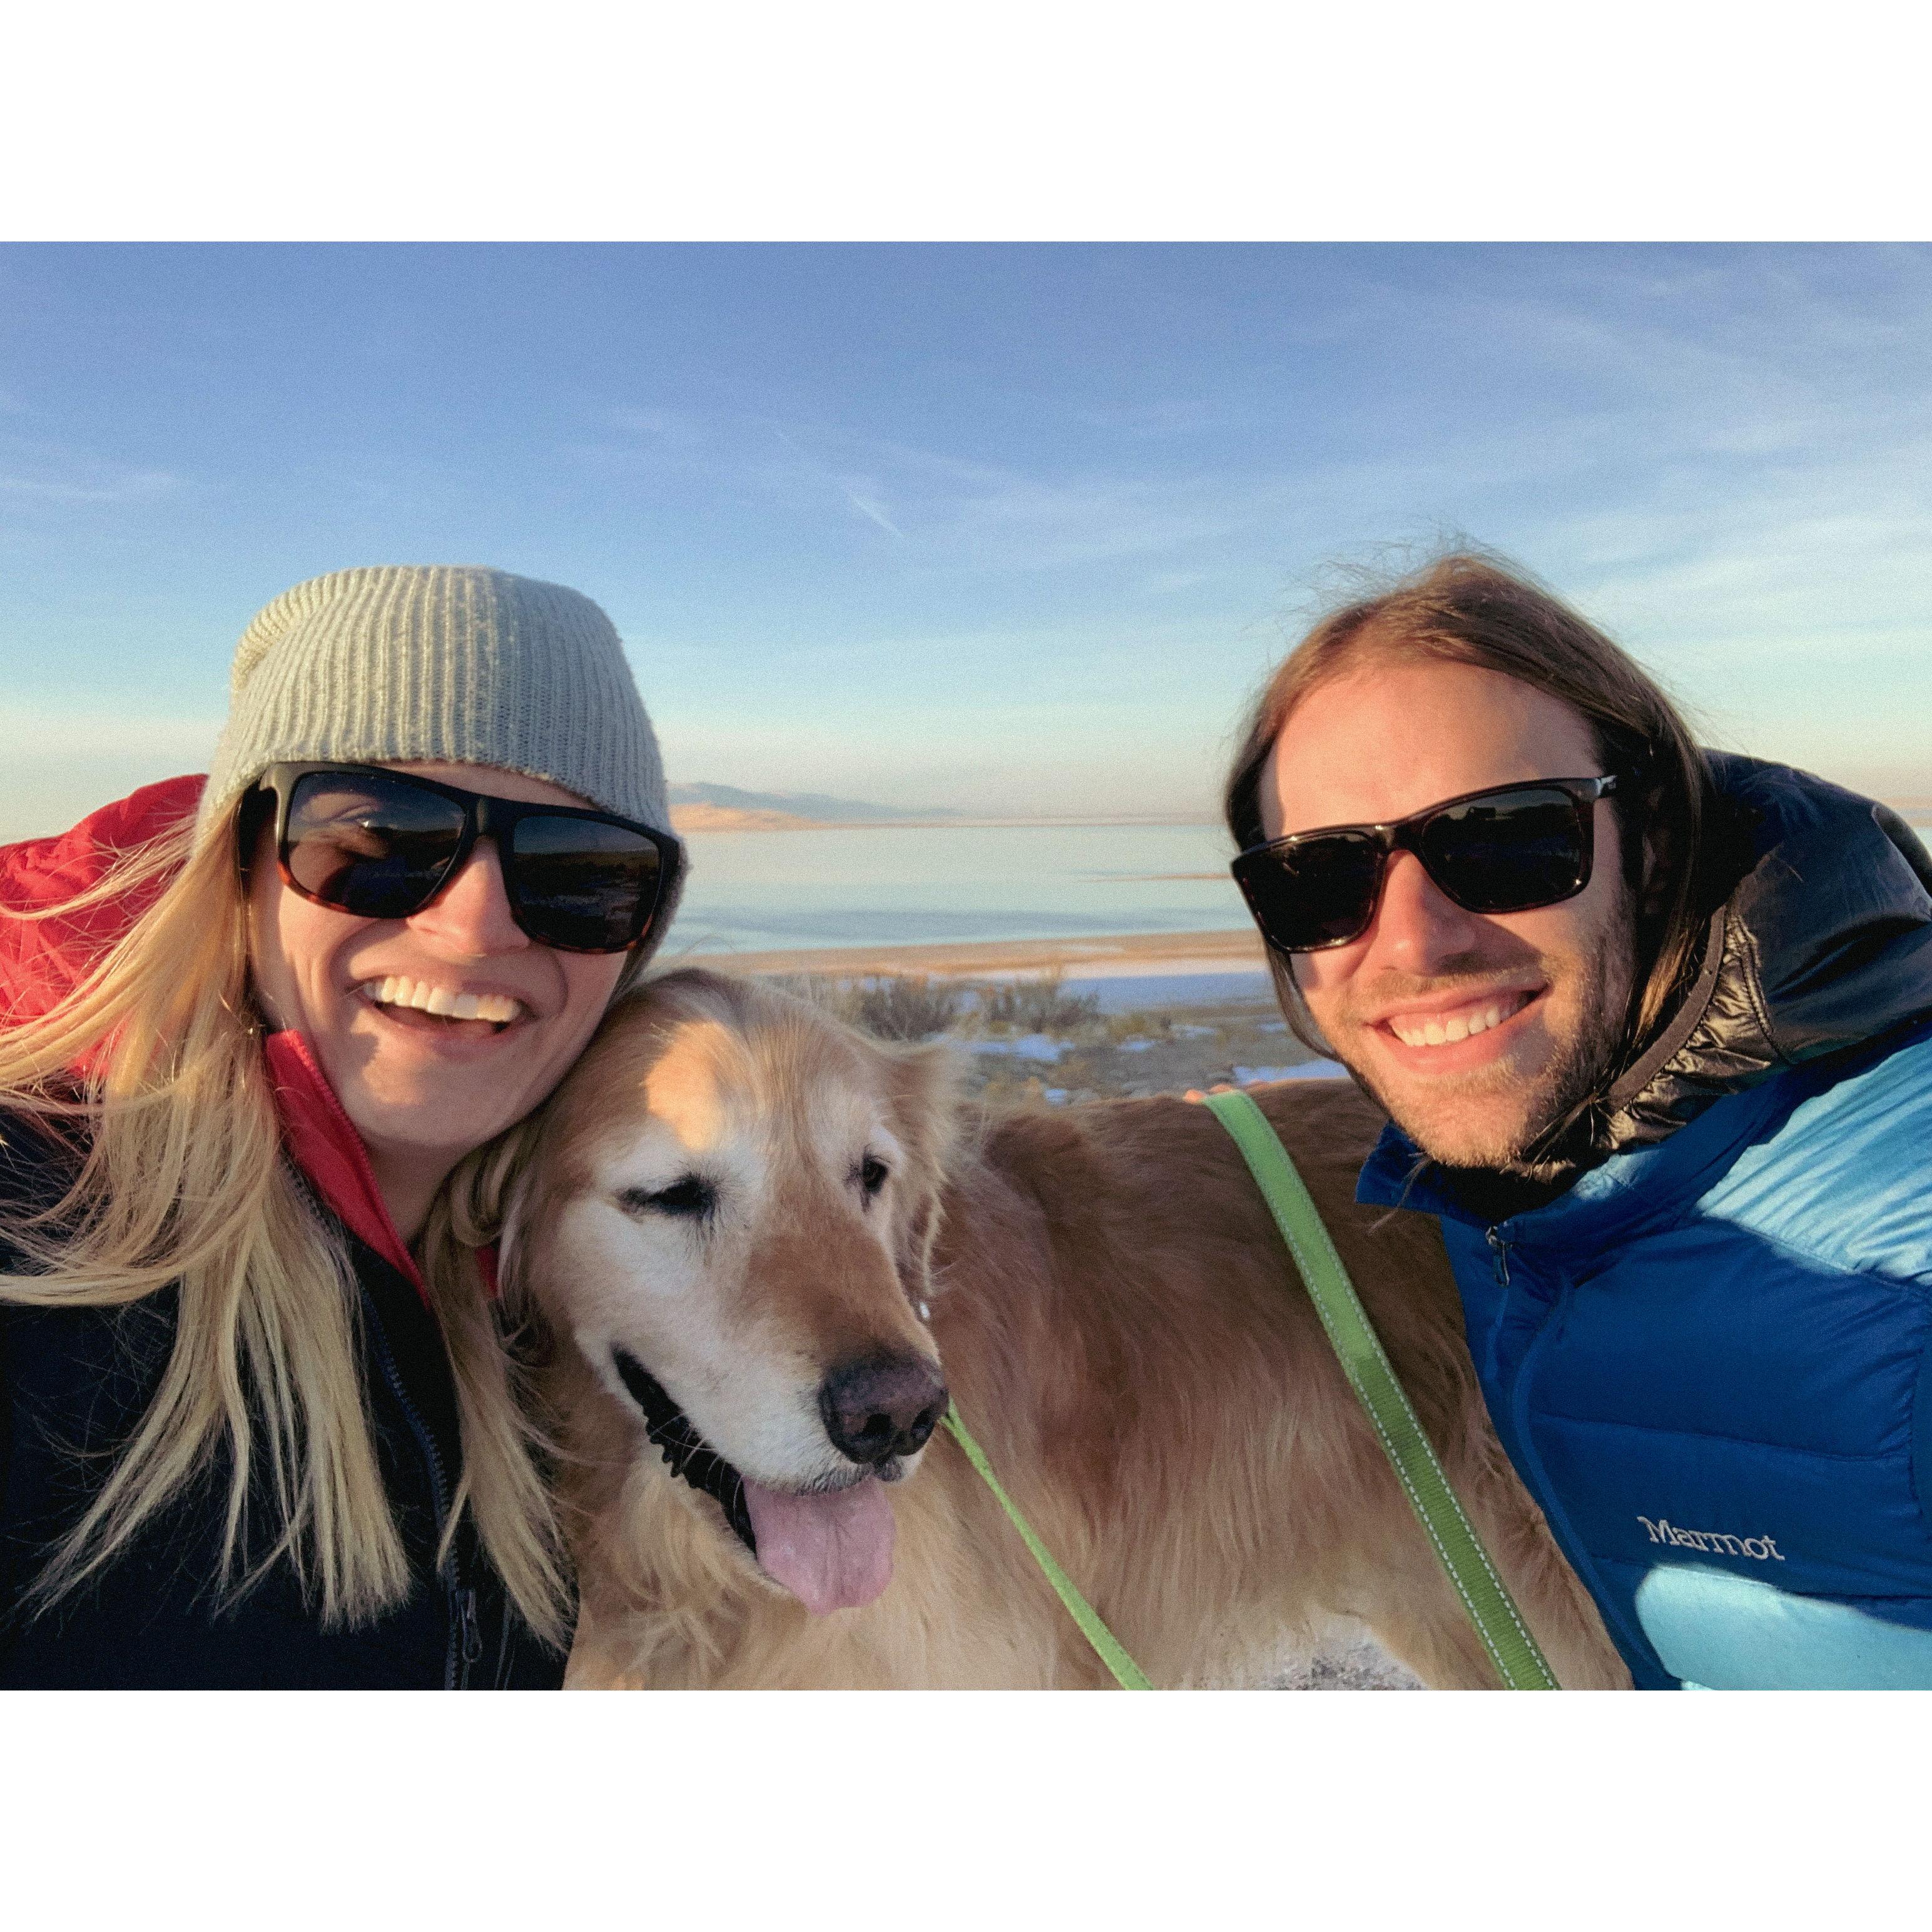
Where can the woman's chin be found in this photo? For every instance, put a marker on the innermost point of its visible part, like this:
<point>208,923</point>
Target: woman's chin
<point>433,1105</point>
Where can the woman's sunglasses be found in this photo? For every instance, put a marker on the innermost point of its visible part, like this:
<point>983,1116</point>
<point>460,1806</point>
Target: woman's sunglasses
<point>1512,848</point>
<point>381,844</point>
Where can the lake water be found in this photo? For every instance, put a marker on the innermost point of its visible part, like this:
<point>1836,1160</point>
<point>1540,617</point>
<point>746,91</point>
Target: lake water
<point>758,892</point>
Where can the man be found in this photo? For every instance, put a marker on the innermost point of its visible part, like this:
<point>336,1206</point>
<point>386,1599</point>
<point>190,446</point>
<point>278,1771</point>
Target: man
<point>1653,1028</point>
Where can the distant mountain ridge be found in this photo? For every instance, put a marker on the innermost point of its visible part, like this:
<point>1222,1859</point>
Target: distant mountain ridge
<point>812,806</point>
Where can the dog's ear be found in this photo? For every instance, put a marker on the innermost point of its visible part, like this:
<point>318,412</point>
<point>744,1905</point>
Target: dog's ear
<point>484,1198</point>
<point>923,1089</point>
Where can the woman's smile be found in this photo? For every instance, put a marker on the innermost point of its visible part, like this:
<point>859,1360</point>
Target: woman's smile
<point>429,1013</point>
<point>408,1030</point>
<point>400,995</point>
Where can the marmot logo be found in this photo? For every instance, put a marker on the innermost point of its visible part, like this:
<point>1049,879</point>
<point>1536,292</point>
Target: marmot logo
<point>1761,1547</point>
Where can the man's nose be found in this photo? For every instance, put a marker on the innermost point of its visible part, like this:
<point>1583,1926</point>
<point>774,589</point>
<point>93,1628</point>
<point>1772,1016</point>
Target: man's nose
<point>1419,929</point>
<point>470,917</point>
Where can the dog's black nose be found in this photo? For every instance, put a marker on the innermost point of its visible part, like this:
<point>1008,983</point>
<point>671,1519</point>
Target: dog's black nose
<point>887,1407</point>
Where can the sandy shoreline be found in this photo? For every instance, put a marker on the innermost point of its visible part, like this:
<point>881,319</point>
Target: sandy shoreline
<point>1116,956</point>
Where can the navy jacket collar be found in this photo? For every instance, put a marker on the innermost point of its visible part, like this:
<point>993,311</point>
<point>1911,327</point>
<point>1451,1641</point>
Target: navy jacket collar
<point>1629,1192</point>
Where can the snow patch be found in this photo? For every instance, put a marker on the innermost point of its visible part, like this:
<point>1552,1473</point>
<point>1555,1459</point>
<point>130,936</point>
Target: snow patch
<point>1034,1046</point>
<point>1304,1069</point>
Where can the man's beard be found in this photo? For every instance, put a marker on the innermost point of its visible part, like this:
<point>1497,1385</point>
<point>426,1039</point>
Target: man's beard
<point>1535,1139</point>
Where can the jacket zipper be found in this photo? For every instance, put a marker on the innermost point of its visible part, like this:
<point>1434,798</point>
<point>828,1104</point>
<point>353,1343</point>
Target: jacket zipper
<point>465,1642</point>
<point>472,1634</point>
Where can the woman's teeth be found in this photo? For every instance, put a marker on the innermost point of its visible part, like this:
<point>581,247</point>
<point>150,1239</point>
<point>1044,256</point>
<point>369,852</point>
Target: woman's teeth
<point>1446,1029</point>
<point>397,991</point>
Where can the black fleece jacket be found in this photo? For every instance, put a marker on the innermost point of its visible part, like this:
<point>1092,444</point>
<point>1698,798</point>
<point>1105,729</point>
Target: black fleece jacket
<point>74,1384</point>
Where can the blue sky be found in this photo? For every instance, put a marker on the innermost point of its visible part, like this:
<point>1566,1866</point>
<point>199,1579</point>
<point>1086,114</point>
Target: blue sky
<point>1007,529</point>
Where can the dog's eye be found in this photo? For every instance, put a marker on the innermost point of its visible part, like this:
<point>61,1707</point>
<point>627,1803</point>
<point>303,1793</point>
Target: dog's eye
<point>871,1173</point>
<point>689,1194</point>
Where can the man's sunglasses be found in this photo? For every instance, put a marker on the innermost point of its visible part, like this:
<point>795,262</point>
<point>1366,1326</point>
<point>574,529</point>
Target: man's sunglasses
<point>381,844</point>
<point>1512,848</point>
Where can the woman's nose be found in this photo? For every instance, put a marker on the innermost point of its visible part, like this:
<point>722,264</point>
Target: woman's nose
<point>470,918</point>
<point>1419,930</point>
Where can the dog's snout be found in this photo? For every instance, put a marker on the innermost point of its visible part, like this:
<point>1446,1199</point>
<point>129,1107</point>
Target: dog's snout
<point>877,1409</point>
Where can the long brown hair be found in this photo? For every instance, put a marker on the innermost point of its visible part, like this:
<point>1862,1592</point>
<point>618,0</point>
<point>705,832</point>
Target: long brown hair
<point>1470,608</point>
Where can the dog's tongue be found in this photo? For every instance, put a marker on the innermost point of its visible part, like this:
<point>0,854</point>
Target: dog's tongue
<point>831,1552</point>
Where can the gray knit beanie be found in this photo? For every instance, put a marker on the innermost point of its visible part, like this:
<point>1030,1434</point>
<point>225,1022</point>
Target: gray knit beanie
<point>444,661</point>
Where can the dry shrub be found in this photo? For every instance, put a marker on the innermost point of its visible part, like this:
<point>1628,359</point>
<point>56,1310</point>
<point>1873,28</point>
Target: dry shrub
<point>1037,1005</point>
<point>890,1006</point>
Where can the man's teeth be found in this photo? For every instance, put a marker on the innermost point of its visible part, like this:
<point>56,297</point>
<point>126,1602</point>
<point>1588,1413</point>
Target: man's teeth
<point>1446,1030</point>
<point>397,991</point>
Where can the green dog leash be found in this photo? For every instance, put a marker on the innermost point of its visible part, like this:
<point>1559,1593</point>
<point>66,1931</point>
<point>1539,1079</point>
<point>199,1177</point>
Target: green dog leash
<point>1492,1610</point>
<point>1497,1621</point>
<point>1127,1674</point>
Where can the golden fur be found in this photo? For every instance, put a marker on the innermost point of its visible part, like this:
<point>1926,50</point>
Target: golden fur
<point>1117,1321</point>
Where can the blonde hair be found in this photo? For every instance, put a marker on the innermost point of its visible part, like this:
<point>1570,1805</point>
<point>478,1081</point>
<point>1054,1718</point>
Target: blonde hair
<point>155,1057</point>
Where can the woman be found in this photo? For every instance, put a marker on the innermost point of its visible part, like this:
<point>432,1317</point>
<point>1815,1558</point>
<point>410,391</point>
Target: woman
<point>244,1041</point>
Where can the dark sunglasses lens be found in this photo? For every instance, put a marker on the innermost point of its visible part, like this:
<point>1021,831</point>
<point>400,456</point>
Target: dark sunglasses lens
<point>1319,893</point>
<point>1509,854</point>
<point>582,884</point>
<point>369,846</point>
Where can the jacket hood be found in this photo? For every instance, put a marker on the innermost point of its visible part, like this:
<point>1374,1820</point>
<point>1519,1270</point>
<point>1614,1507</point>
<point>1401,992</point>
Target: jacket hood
<point>44,957</point>
<point>1824,943</point>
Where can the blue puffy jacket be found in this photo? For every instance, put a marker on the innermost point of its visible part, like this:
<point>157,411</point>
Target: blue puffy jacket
<point>1710,1359</point>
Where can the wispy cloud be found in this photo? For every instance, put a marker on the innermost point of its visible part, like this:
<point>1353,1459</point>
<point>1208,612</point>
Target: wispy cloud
<point>50,472</point>
<point>867,508</point>
<point>949,510</point>
<point>862,498</point>
<point>133,487</point>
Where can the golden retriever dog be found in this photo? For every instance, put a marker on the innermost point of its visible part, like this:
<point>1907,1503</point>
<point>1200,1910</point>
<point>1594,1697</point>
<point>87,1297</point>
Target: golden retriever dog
<point>766,1250</point>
